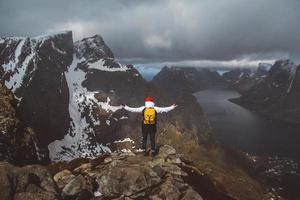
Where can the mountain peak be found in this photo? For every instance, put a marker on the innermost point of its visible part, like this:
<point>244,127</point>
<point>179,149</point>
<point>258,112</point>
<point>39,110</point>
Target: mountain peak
<point>54,35</point>
<point>98,37</point>
<point>286,66</point>
<point>92,48</point>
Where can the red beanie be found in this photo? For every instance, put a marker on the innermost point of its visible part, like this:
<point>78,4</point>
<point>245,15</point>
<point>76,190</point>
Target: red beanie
<point>149,99</point>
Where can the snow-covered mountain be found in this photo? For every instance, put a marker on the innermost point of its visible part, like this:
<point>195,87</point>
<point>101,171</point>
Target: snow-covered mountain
<point>277,92</point>
<point>70,93</point>
<point>47,74</point>
<point>34,69</point>
<point>89,54</point>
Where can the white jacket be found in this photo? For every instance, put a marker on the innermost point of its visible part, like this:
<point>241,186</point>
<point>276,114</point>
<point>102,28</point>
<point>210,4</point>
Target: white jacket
<point>149,104</point>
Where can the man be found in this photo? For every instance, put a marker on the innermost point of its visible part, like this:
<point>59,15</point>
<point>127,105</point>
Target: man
<point>149,112</point>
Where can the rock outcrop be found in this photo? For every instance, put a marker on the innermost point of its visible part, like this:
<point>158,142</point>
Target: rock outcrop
<point>30,182</point>
<point>120,175</point>
<point>117,176</point>
<point>18,143</point>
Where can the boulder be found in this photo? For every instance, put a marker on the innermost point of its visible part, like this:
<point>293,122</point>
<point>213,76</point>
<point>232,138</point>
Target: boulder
<point>62,178</point>
<point>79,186</point>
<point>6,181</point>
<point>30,182</point>
<point>165,151</point>
<point>83,169</point>
<point>126,179</point>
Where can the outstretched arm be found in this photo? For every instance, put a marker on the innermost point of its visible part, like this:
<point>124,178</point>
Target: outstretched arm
<point>131,109</point>
<point>165,109</point>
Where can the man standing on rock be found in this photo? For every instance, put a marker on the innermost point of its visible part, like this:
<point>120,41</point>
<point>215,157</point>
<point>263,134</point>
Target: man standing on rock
<point>149,112</point>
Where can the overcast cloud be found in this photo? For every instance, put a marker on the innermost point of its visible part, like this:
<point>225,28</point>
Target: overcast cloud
<point>210,32</point>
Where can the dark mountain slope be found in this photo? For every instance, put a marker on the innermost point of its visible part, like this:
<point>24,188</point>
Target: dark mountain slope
<point>33,68</point>
<point>18,143</point>
<point>189,79</point>
<point>277,95</point>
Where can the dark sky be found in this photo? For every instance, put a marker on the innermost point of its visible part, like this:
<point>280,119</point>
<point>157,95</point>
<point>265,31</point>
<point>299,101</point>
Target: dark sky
<point>199,32</point>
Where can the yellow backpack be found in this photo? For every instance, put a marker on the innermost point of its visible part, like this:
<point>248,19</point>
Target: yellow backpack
<point>149,115</point>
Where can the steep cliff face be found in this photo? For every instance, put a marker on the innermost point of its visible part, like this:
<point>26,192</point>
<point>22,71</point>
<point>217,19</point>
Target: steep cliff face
<point>97,85</point>
<point>276,95</point>
<point>18,143</point>
<point>33,68</point>
<point>70,93</point>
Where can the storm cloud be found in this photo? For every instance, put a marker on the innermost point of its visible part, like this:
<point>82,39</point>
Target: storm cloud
<point>195,31</point>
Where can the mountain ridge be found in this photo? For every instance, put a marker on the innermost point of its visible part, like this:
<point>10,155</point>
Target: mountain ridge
<point>275,95</point>
<point>84,83</point>
<point>91,86</point>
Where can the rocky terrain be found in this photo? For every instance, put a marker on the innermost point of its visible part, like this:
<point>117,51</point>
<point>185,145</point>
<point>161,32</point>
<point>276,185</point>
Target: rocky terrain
<point>120,175</point>
<point>282,174</point>
<point>70,93</point>
<point>83,178</point>
<point>116,176</point>
<point>276,94</point>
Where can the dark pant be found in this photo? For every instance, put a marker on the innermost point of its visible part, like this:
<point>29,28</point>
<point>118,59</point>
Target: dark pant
<point>148,130</point>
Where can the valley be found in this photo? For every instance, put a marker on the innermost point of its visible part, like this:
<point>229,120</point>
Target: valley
<point>70,94</point>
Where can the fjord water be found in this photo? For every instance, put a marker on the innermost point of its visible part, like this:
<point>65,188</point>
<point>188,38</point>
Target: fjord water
<point>240,128</point>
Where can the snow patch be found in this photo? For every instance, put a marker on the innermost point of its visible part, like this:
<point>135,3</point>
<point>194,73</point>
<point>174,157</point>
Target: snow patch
<point>293,70</point>
<point>97,194</point>
<point>139,150</point>
<point>99,65</point>
<point>79,142</point>
<point>17,70</point>
<point>106,106</point>
<point>123,117</point>
<point>126,151</point>
<point>57,49</point>
<point>124,140</point>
